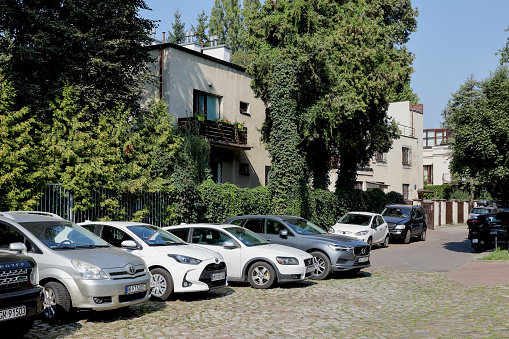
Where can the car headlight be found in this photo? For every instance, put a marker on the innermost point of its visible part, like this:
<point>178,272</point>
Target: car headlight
<point>287,260</point>
<point>400,227</point>
<point>184,259</point>
<point>340,247</point>
<point>361,233</point>
<point>89,271</point>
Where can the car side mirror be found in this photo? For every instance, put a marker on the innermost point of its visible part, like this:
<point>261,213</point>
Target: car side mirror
<point>18,247</point>
<point>283,234</point>
<point>129,244</point>
<point>229,244</point>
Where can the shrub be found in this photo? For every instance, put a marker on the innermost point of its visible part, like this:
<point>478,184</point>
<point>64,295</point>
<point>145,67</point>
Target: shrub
<point>394,197</point>
<point>221,201</point>
<point>323,208</point>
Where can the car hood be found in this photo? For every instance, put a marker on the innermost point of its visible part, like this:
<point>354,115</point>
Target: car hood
<point>349,228</point>
<point>189,250</point>
<point>396,220</point>
<point>105,258</point>
<point>335,239</point>
<point>280,250</point>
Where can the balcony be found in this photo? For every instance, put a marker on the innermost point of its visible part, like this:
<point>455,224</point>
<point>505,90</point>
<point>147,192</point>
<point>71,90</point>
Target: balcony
<point>225,135</point>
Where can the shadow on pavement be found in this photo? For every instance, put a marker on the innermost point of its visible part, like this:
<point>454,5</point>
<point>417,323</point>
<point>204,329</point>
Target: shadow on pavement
<point>460,247</point>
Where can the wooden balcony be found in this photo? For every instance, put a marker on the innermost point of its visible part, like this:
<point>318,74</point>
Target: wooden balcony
<point>225,135</point>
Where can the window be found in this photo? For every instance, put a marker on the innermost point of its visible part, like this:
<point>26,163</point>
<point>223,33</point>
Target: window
<point>358,185</point>
<point>181,233</point>
<point>114,236</point>
<point>244,108</point>
<point>9,235</point>
<point>380,157</point>
<point>428,174</point>
<point>207,104</point>
<point>255,225</point>
<point>274,227</point>
<point>406,189</point>
<point>243,168</point>
<point>267,172</point>
<point>216,172</point>
<point>407,156</point>
<point>208,236</point>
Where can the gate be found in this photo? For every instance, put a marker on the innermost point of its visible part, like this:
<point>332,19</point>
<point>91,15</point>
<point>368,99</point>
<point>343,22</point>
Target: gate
<point>448,212</point>
<point>430,216</point>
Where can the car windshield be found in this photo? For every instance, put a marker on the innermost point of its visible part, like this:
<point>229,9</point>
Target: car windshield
<point>355,219</point>
<point>397,212</point>
<point>302,226</point>
<point>155,236</point>
<point>480,210</point>
<point>246,236</point>
<point>63,235</point>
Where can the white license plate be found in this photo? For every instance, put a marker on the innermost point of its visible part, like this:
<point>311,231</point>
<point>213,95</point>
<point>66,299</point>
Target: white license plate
<point>135,288</point>
<point>475,241</point>
<point>15,312</point>
<point>363,259</point>
<point>218,276</point>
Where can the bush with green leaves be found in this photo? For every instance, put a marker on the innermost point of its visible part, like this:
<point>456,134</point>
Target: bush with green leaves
<point>394,197</point>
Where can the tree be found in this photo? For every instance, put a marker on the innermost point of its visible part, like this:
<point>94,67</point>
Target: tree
<point>479,115</point>
<point>349,57</point>
<point>226,22</point>
<point>199,30</point>
<point>504,52</point>
<point>97,45</point>
<point>178,35</point>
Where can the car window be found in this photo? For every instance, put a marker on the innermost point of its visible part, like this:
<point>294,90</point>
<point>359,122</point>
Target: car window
<point>355,219</point>
<point>274,227</point>
<point>182,233</point>
<point>247,237</point>
<point>9,234</point>
<point>115,236</point>
<point>480,210</point>
<point>255,225</point>
<point>397,212</point>
<point>90,228</point>
<point>237,222</point>
<point>208,236</point>
<point>302,226</point>
<point>380,220</point>
<point>155,236</point>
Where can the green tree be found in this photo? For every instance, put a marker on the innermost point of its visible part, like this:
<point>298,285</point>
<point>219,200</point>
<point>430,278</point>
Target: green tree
<point>479,115</point>
<point>226,23</point>
<point>504,52</point>
<point>350,56</point>
<point>200,30</point>
<point>97,45</point>
<point>178,35</point>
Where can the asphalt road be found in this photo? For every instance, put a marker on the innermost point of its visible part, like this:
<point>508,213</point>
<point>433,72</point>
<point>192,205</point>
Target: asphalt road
<point>445,249</point>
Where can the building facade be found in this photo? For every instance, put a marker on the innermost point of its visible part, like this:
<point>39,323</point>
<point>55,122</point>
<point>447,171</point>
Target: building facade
<point>206,92</point>
<point>435,156</point>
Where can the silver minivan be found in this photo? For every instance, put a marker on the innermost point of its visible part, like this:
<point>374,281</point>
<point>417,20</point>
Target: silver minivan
<point>77,269</point>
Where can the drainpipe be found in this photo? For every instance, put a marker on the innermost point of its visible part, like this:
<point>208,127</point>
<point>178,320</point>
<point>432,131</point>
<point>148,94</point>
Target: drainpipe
<point>161,68</point>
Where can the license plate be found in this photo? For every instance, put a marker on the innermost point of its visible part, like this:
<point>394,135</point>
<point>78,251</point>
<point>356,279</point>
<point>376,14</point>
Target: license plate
<point>135,288</point>
<point>15,312</point>
<point>475,241</point>
<point>218,276</point>
<point>493,232</point>
<point>364,259</point>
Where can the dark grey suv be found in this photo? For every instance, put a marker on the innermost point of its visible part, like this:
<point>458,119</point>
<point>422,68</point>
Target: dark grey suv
<point>331,252</point>
<point>405,222</point>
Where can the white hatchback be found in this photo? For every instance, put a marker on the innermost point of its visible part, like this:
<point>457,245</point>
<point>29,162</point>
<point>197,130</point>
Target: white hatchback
<point>248,256</point>
<point>175,265</point>
<point>365,226</point>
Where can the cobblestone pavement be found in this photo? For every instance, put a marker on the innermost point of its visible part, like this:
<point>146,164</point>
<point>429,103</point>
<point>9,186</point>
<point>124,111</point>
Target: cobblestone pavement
<point>374,304</point>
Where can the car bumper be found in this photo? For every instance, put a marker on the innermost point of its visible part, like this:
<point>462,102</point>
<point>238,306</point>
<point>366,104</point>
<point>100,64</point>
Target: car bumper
<point>199,278</point>
<point>31,299</point>
<point>397,233</point>
<point>345,261</point>
<point>290,273</point>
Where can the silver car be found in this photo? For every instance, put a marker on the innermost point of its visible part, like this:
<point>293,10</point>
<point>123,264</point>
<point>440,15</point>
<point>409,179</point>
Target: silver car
<point>77,269</point>
<point>331,252</point>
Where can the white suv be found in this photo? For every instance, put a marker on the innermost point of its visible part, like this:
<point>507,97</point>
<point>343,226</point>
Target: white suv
<point>249,256</point>
<point>176,266</point>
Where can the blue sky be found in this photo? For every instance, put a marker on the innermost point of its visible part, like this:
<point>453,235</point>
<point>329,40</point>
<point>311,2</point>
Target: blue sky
<point>454,38</point>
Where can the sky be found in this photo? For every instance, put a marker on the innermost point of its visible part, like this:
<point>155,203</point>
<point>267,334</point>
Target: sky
<point>454,39</point>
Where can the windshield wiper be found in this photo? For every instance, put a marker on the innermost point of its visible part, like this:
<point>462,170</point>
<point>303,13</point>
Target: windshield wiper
<point>67,247</point>
<point>92,246</point>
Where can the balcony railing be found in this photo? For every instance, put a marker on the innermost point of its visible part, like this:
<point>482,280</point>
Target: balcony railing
<point>406,131</point>
<point>216,132</point>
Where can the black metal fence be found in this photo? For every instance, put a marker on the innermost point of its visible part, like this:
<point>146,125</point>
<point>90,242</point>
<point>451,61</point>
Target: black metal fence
<point>152,206</point>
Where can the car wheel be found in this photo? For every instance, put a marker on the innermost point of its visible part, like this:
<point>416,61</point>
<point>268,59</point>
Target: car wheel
<point>323,267</point>
<point>386,241</point>
<point>161,284</point>
<point>408,236</point>
<point>57,302</point>
<point>422,237</point>
<point>261,275</point>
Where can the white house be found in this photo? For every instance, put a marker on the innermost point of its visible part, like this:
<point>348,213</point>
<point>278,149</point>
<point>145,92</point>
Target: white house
<point>435,156</point>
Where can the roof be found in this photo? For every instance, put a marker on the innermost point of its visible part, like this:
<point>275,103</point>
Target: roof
<point>218,226</point>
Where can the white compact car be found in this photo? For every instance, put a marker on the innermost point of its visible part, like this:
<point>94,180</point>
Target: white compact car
<point>365,226</point>
<point>176,266</point>
<point>248,256</point>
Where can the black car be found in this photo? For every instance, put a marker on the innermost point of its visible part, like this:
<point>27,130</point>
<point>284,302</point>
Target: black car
<point>405,222</point>
<point>488,230</point>
<point>20,293</point>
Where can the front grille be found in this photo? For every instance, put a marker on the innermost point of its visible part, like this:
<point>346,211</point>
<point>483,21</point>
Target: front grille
<point>206,275</point>
<point>215,267</point>
<point>114,274</point>
<point>361,250</point>
<point>308,262</point>
<point>131,297</point>
<point>14,278</point>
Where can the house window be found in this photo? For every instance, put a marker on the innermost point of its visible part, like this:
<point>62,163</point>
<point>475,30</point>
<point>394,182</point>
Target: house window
<point>243,168</point>
<point>428,174</point>
<point>358,185</point>
<point>267,172</point>
<point>406,190</point>
<point>206,104</point>
<point>371,186</point>
<point>244,108</point>
<point>216,171</point>
<point>380,157</point>
<point>407,156</point>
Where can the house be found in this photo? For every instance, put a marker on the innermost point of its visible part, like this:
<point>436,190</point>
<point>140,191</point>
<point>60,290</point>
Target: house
<point>400,169</point>
<point>435,156</point>
<point>204,91</point>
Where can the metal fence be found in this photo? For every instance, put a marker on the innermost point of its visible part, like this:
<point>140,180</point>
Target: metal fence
<point>106,204</point>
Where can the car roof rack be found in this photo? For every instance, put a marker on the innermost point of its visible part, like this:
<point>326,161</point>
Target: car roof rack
<point>11,214</point>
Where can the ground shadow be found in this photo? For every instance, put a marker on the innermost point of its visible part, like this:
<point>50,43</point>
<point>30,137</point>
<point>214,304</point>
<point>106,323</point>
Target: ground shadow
<point>208,295</point>
<point>460,247</point>
<point>350,275</point>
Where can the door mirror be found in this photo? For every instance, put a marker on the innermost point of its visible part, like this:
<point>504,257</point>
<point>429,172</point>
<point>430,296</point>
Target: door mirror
<point>18,247</point>
<point>129,244</point>
<point>229,244</point>
<point>283,234</point>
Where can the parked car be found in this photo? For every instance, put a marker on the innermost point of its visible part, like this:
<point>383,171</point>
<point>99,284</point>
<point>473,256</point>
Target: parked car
<point>405,222</point>
<point>248,256</point>
<point>476,211</point>
<point>365,226</point>
<point>20,292</point>
<point>176,266</point>
<point>332,252</point>
<point>77,269</point>
<point>487,230</point>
